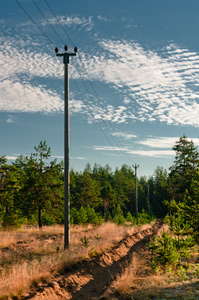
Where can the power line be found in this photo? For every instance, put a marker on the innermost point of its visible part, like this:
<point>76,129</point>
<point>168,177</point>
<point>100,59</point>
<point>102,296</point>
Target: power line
<point>59,22</point>
<point>48,21</point>
<point>119,146</point>
<point>122,149</point>
<point>96,120</point>
<point>35,24</point>
<point>118,141</point>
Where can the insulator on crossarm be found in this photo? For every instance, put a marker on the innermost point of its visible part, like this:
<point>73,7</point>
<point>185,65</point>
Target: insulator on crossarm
<point>56,50</point>
<point>65,48</point>
<point>75,49</point>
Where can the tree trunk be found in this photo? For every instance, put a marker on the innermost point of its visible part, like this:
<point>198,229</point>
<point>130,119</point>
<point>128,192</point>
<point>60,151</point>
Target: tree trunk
<point>106,210</point>
<point>39,217</point>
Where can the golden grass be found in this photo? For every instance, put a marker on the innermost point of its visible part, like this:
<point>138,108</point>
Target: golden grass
<point>139,282</point>
<point>26,233</point>
<point>32,256</point>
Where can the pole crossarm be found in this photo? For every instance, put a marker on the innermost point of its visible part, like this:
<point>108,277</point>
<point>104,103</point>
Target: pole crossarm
<point>66,56</point>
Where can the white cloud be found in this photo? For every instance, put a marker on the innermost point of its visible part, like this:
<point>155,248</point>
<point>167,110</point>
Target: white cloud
<point>126,136</point>
<point>24,61</point>
<point>17,97</point>
<point>159,142</point>
<point>162,88</point>
<point>11,157</point>
<point>150,153</point>
<point>75,21</point>
<point>10,119</point>
<point>155,86</point>
<point>107,148</point>
<point>153,153</point>
<point>57,156</point>
<point>78,157</point>
<point>164,142</point>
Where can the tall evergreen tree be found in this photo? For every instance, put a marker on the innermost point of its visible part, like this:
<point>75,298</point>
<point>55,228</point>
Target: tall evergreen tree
<point>184,168</point>
<point>87,191</point>
<point>159,191</point>
<point>43,188</point>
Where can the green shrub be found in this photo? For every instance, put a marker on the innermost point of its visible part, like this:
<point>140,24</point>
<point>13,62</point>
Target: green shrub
<point>131,218</point>
<point>117,211</point>
<point>11,221</point>
<point>47,220</point>
<point>119,219</point>
<point>144,218</point>
<point>84,216</point>
<point>92,216</point>
<point>163,250</point>
<point>81,216</point>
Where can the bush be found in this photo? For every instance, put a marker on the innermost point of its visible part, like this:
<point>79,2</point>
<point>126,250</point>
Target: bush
<point>92,216</point>
<point>130,218</point>
<point>12,221</point>
<point>81,216</point>
<point>118,217</point>
<point>168,250</point>
<point>144,218</point>
<point>47,220</point>
<point>84,216</point>
<point>163,250</point>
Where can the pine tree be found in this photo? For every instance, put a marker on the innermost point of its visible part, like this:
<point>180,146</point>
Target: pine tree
<point>184,169</point>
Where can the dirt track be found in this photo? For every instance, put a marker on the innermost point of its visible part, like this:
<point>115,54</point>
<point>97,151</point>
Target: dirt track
<point>90,278</point>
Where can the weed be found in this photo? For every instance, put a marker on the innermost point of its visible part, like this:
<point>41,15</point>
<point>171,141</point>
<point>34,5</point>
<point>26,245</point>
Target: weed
<point>92,252</point>
<point>97,237</point>
<point>85,242</point>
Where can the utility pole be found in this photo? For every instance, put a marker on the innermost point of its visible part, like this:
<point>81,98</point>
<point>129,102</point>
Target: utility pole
<point>148,198</point>
<point>66,56</point>
<point>136,192</point>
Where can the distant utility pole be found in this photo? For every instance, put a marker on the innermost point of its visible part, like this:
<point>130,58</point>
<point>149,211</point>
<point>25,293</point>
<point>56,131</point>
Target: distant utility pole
<point>66,56</point>
<point>148,198</point>
<point>136,192</point>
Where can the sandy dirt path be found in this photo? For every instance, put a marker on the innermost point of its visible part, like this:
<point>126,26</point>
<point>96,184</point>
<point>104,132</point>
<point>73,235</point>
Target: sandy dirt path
<point>90,278</point>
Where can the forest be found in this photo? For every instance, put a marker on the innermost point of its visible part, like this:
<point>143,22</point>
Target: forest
<point>32,191</point>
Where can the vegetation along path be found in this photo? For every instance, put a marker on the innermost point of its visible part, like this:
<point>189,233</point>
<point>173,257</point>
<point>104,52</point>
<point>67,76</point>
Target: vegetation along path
<point>89,279</point>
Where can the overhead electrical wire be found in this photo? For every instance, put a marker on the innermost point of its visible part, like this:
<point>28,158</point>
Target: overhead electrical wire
<point>35,24</point>
<point>80,78</point>
<point>76,67</point>
<point>48,21</point>
<point>59,22</point>
<point>122,150</point>
<point>120,145</point>
<point>98,111</point>
<point>94,117</point>
<point>79,72</point>
<point>128,157</point>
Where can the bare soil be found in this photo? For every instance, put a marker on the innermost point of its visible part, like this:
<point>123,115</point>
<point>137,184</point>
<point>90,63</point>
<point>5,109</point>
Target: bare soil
<point>91,278</point>
<point>120,272</point>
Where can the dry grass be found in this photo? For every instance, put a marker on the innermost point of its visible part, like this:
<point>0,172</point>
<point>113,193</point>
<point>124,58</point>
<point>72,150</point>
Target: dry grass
<point>26,233</point>
<point>29,256</point>
<point>139,282</point>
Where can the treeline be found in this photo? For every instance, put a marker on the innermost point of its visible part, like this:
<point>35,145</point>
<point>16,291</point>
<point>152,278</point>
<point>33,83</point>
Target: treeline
<point>32,190</point>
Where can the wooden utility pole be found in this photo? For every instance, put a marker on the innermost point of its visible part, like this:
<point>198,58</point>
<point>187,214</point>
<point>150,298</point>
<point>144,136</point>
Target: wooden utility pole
<point>66,56</point>
<point>148,198</point>
<point>136,192</point>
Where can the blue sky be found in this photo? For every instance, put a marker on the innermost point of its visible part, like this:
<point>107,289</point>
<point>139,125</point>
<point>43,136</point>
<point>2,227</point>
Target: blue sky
<point>135,94</point>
